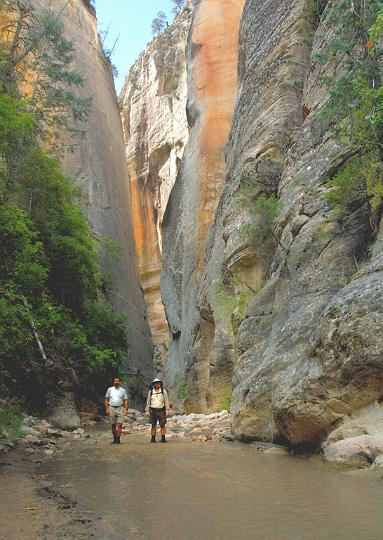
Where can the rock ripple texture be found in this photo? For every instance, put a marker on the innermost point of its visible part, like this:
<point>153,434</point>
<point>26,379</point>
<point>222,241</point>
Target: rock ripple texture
<point>310,350</point>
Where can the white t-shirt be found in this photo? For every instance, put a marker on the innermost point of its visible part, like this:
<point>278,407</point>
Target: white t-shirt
<point>116,396</point>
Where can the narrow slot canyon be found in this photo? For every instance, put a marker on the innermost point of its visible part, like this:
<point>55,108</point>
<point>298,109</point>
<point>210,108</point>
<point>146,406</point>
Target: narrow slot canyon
<point>207,236</point>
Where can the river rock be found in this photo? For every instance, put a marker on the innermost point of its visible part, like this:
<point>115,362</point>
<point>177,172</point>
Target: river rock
<point>64,414</point>
<point>378,463</point>
<point>362,447</point>
<point>32,439</point>
<point>358,436</point>
<point>54,432</point>
<point>27,430</point>
<point>227,436</point>
<point>29,420</point>
<point>43,424</point>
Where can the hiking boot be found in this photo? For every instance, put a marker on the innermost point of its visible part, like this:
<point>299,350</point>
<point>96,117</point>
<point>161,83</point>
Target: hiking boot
<point>114,440</point>
<point>163,438</point>
<point>118,440</point>
<point>153,439</point>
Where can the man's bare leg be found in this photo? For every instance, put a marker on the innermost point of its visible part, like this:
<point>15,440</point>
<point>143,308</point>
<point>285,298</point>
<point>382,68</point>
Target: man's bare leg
<point>118,432</point>
<point>114,431</point>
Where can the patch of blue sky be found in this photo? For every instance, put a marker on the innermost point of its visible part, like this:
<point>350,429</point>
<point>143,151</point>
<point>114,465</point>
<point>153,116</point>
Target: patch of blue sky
<point>128,26</point>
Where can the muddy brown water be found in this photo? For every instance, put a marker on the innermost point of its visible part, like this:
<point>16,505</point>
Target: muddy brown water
<point>186,490</point>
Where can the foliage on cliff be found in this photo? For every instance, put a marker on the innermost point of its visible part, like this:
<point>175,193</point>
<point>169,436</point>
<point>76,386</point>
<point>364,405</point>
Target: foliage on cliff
<point>36,61</point>
<point>355,107</point>
<point>56,328</point>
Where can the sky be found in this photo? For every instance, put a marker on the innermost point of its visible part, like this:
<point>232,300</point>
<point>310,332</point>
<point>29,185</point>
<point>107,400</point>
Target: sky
<point>130,20</point>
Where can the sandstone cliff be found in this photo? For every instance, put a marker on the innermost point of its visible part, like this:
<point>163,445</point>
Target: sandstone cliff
<point>153,111</point>
<point>99,167</point>
<point>278,311</point>
<point>307,353</point>
<point>284,314</point>
<point>212,87</point>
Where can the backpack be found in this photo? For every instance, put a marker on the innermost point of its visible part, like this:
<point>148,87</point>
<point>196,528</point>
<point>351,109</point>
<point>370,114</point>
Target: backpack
<point>162,392</point>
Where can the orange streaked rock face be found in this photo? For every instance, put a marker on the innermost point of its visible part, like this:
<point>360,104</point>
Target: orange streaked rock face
<point>212,91</point>
<point>153,112</point>
<point>147,238</point>
<point>215,38</point>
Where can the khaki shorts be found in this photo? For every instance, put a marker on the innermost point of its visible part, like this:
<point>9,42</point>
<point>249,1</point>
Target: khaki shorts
<point>116,414</point>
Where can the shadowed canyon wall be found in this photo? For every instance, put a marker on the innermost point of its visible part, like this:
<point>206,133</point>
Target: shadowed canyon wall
<point>307,352</point>
<point>99,167</point>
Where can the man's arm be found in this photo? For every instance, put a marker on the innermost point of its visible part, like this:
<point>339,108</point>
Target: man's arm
<point>107,403</point>
<point>147,403</point>
<point>126,402</point>
<point>166,398</point>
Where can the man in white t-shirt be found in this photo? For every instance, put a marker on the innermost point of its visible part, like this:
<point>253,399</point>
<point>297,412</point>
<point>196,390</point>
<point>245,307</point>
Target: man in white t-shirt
<point>116,405</point>
<point>156,406</point>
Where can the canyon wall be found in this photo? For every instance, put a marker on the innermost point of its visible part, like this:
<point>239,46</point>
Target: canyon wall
<point>309,348</point>
<point>273,303</point>
<point>153,112</point>
<point>212,88</point>
<point>99,168</point>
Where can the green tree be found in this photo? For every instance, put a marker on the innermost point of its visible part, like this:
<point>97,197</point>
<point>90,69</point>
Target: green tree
<point>38,61</point>
<point>159,23</point>
<point>55,324</point>
<point>178,5</point>
<point>50,290</point>
<point>355,108</point>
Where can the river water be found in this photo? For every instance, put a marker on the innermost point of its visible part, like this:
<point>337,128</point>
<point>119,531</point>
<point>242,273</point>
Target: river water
<point>186,490</point>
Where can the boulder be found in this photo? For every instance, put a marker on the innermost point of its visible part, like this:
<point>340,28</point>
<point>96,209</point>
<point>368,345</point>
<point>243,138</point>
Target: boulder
<point>64,414</point>
<point>363,447</point>
<point>378,463</point>
<point>27,430</point>
<point>359,436</point>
